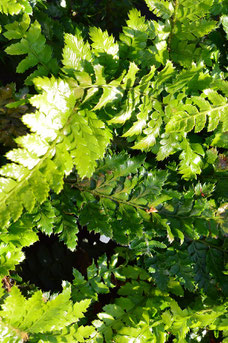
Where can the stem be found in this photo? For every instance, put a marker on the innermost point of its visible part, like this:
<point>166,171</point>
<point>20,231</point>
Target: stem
<point>101,195</point>
<point>136,206</point>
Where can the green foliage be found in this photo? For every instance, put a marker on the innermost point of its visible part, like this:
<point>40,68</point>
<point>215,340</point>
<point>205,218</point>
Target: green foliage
<point>191,118</point>
<point>224,21</point>
<point>15,7</point>
<point>124,138</point>
<point>43,157</point>
<point>124,201</point>
<point>146,314</point>
<point>41,320</point>
<point>29,162</point>
<point>10,256</point>
<point>99,278</point>
<point>32,44</point>
<point>120,193</point>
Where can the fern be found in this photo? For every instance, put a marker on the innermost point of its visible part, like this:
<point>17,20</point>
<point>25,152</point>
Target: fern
<point>123,197</point>
<point>38,319</point>
<point>126,138</point>
<point>224,23</point>
<point>35,159</point>
<point>44,164</point>
<point>32,44</point>
<point>150,317</point>
<point>15,7</point>
<point>103,43</point>
<point>147,127</point>
<point>10,256</point>
<point>125,202</point>
<point>165,266</point>
<point>73,50</point>
<point>206,267</point>
<point>162,8</point>
<point>99,278</point>
<point>56,216</point>
<point>190,117</point>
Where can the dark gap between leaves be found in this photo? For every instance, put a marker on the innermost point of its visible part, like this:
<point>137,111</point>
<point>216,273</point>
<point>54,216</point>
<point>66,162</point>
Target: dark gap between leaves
<point>48,262</point>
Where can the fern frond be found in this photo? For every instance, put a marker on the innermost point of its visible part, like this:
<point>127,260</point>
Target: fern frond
<point>33,184</point>
<point>128,108</point>
<point>82,68</point>
<point>99,278</point>
<point>130,315</point>
<point>33,44</point>
<point>60,140</point>
<point>189,24</point>
<point>135,41</point>
<point>147,314</point>
<point>111,93</point>
<point>152,131</point>
<point>184,217</point>
<point>191,161</point>
<point>161,8</point>
<point>134,36</point>
<point>162,85</point>
<point>21,233</point>
<point>76,53</point>
<point>193,30</point>
<point>195,112</point>
<point>120,198</point>
<point>169,144</point>
<point>36,317</point>
<point>9,257</point>
<point>209,264</point>
<point>103,43</point>
<point>66,225</point>
<point>187,11</point>
<point>73,333</point>
<point>13,7</point>
<point>125,203</point>
<point>148,108</point>
<point>136,21</point>
<point>17,29</point>
<point>44,217</point>
<point>90,141</point>
<point>175,264</point>
<point>142,116</point>
<point>130,77</point>
<point>58,215</point>
<point>224,21</point>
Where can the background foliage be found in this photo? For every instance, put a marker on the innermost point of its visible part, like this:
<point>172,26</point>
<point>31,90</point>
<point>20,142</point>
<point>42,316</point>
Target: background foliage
<point>114,126</point>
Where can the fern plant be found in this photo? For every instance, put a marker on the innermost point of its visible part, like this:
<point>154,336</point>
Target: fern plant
<point>38,319</point>
<point>127,139</point>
